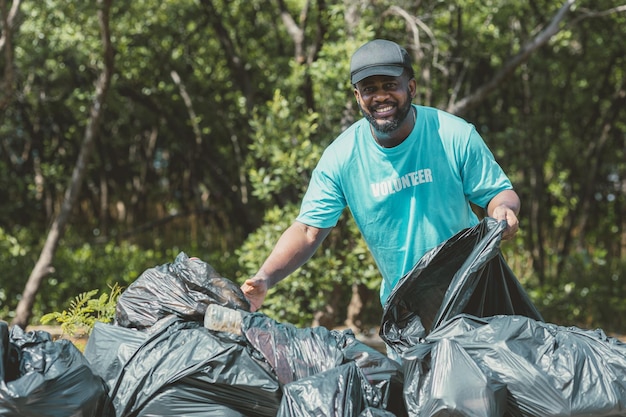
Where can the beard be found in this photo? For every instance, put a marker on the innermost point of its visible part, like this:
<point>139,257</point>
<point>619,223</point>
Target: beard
<point>390,125</point>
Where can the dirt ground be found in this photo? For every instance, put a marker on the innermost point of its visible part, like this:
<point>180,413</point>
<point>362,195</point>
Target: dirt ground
<point>79,339</point>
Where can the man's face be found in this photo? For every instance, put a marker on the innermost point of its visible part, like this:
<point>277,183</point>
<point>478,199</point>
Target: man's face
<point>385,101</point>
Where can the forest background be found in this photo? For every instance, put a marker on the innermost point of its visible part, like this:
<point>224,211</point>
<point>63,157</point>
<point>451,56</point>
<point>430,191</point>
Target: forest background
<point>133,131</point>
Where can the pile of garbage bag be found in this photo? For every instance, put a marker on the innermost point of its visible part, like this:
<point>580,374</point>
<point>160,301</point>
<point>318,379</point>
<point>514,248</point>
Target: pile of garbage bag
<point>167,354</point>
<point>472,343</point>
<point>469,342</point>
<point>515,366</point>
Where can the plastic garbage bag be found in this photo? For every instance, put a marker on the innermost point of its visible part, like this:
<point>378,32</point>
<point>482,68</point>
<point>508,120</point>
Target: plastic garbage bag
<point>376,412</point>
<point>183,288</point>
<point>445,379</point>
<point>292,352</point>
<point>186,400</point>
<point>298,354</point>
<point>228,362</point>
<point>335,392</point>
<point>467,333</point>
<point>180,368</point>
<point>45,378</point>
<point>9,359</point>
<point>547,370</point>
<point>465,274</point>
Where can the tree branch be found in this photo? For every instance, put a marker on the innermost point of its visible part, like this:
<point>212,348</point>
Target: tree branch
<point>8,20</point>
<point>541,39</point>
<point>295,31</point>
<point>592,14</point>
<point>235,62</point>
<point>193,119</point>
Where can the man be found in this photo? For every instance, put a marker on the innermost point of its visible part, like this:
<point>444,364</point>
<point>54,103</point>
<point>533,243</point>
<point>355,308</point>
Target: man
<point>407,173</point>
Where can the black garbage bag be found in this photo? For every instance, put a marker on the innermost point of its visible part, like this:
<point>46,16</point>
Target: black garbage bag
<point>443,378</point>
<point>294,353</point>
<point>9,355</point>
<point>183,288</point>
<point>178,368</point>
<point>45,378</point>
<point>170,353</point>
<point>465,274</point>
<point>335,392</point>
<point>376,412</point>
<point>301,355</point>
<point>467,334</point>
<point>547,370</point>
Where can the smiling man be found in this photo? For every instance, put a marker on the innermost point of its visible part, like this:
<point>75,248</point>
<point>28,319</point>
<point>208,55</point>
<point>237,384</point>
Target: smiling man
<point>407,173</point>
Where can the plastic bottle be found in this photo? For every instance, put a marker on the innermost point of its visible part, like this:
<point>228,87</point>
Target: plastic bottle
<point>223,319</point>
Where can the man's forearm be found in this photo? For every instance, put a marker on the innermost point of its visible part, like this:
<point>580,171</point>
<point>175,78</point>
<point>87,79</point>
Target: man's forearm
<point>295,246</point>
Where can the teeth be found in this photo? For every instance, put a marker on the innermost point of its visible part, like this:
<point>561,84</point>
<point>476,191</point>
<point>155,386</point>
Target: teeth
<point>384,109</point>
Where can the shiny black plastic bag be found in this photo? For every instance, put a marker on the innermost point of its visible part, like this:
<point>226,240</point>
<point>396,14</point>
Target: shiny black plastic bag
<point>443,379</point>
<point>305,357</point>
<point>335,392</point>
<point>472,344</point>
<point>178,368</point>
<point>183,288</point>
<point>45,378</point>
<point>376,412</point>
<point>465,274</point>
<point>468,363</point>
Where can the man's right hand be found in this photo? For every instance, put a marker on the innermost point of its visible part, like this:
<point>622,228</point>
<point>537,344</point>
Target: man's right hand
<point>255,290</point>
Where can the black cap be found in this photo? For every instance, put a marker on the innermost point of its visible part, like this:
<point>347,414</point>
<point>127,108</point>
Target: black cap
<point>379,57</point>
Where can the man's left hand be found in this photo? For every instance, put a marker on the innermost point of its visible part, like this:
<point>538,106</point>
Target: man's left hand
<point>504,213</point>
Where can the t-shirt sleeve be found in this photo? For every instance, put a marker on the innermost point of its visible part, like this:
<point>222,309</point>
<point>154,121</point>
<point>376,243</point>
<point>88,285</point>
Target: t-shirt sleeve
<point>483,178</point>
<point>324,200</point>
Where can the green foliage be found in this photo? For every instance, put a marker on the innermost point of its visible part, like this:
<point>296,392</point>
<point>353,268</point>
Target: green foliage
<point>282,149</point>
<point>591,291</point>
<point>265,111</point>
<point>85,310</point>
<point>16,260</point>
<point>10,245</point>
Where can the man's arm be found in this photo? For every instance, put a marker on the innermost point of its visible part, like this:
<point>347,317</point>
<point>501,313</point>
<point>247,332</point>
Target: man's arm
<point>296,245</point>
<point>505,206</point>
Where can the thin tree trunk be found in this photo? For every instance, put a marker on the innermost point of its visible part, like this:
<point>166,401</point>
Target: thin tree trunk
<point>43,267</point>
<point>354,317</point>
<point>6,46</point>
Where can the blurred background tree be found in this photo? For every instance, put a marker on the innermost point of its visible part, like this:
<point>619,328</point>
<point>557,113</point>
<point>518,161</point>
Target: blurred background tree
<point>218,111</point>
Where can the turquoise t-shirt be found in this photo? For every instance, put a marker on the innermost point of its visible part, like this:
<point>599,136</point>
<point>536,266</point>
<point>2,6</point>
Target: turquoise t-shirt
<point>407,199</point>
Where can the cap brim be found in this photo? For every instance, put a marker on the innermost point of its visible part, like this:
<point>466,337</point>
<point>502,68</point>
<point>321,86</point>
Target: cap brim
<point>390,70</point>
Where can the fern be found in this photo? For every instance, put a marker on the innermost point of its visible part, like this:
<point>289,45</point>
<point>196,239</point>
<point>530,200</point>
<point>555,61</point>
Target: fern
<point>85,310</point>
<point>104,306</point>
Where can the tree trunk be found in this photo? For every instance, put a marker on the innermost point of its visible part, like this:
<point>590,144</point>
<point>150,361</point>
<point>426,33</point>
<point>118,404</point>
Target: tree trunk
<point>44,264</point>
<point>328,316</point>
<point>354,315</point>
